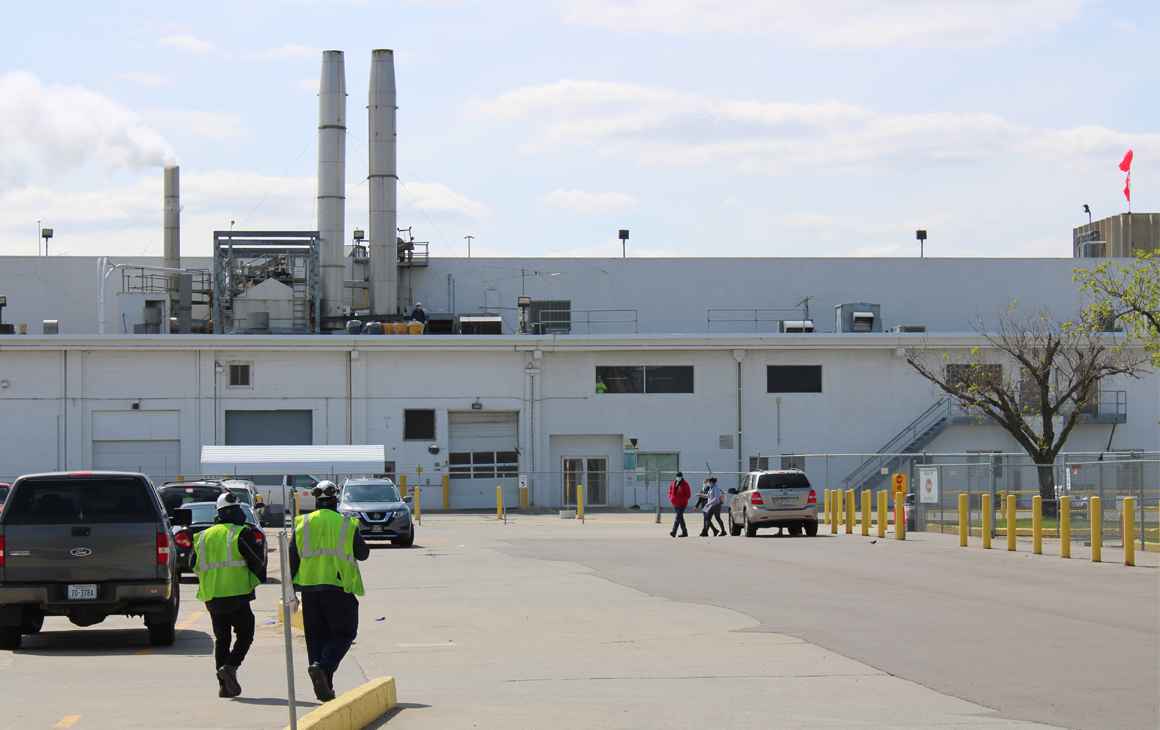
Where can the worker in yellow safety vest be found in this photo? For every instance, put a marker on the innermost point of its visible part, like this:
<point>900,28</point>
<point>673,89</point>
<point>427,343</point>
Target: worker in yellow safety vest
<point>324,559</point>
<point>229,559</point>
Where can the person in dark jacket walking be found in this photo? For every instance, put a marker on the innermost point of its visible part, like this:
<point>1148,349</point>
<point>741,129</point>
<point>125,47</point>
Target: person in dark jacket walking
<point>679,494</point>
<point>324,559</point>
<point>712,509</point>
<point>230,561</point>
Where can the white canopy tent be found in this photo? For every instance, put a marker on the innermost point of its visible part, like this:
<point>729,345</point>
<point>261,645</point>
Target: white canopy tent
<point>282,460</point>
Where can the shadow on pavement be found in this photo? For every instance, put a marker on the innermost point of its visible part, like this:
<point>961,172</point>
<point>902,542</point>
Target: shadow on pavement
<point>101,642</point>
<point>272,701</point>
<point>389,546</point>
<point>382,721</point>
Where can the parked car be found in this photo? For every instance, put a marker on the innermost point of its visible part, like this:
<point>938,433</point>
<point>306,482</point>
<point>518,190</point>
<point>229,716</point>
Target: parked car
<point>274,489</point>
<point>5,487</point>
<point>382,513</point>
<point>86,545</point>
<point>781,498</point>
<point>178,494</point>
<point>195,517</point>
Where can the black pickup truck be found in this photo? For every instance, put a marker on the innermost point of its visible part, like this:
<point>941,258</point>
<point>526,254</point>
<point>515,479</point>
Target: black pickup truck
<point>86,545</point>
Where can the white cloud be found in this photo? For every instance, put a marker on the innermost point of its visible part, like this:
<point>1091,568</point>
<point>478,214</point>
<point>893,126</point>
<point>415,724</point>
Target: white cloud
<point>216,126</point>
<point>664,127</point>
<point>438,198</point>
<point>52,129</point>
<point>189,43</point>
<point>145,78</point>
<point>589,203</point>
<point>834,23</point>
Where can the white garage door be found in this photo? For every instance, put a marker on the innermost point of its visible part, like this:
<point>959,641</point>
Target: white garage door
<point>159,460</point>
<point>482,455</point>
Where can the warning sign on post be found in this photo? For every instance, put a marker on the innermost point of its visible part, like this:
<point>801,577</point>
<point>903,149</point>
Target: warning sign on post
<point>928,484</point>
<point>899,482</point>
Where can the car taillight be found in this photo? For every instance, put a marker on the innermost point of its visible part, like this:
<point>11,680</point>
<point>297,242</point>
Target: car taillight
<point>163,548</point>
<point>813,498</point>
<point>182,540</point>
<point>1,551</point>
<point>259,537</point>
<point>756,498</point>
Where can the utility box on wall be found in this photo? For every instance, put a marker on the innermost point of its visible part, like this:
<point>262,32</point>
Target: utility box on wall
<point>858,317</point>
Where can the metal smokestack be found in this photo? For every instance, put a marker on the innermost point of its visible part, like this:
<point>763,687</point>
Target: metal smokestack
<point>332,179</point>
<point>171,201</point>
<point>382,182</point>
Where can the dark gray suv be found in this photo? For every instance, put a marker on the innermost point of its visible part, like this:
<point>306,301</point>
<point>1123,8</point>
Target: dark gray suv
<point>86,545</point>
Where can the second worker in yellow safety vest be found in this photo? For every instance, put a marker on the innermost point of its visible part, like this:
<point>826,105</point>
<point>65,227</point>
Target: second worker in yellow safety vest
<point>324,559</point>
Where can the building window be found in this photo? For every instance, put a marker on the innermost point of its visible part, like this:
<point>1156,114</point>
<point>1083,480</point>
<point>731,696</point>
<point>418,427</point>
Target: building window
<point>388,472</point>
<point>644,379</point>
<point>459,465</point>
<point>483,464</point>
<point>758,463</point>
<point>793,379</point>
<point>240,375</point>
<point>793,462</point>
<point>419,425</point>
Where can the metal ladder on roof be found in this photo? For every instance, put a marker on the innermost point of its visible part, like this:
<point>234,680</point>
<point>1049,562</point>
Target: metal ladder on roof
<point>910,440</point>
<point>300,301</point>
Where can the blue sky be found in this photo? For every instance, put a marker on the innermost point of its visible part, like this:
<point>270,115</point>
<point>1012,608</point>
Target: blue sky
<point>745,128</point>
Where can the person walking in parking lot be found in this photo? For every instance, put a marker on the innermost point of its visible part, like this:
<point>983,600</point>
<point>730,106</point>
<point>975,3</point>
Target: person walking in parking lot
<point>712,509</point>
<point>679,494</point>
<point>324,559</point>
<point>230,561</point>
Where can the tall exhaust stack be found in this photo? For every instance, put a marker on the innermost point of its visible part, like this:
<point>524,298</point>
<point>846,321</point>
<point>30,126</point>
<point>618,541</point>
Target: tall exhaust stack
<point>332,180</point>
<point>382,182</point>
<point>171,253</point>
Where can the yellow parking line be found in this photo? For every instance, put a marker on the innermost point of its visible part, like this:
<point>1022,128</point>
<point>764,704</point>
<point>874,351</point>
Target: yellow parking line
<point>67,721</point>
<point>189,622</point>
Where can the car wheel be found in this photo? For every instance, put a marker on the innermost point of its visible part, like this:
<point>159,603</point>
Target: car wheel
<point>795,530</point>
<point>734,528</point>
<point>10,637</point>
<point>811,529</point>
<point>407,541</point>
<point>750,530</point>
<point>163,630</point>
<point>32,624</point>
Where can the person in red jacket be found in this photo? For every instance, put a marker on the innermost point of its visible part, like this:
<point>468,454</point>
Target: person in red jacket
<point>679,494</point>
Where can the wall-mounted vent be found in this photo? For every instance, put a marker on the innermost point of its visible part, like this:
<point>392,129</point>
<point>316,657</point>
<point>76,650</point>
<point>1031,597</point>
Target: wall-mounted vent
<point>240,375</point>
<point>725,441</point>
<point>858,317</point>
<point>798,326</point>
<point>903,328</point>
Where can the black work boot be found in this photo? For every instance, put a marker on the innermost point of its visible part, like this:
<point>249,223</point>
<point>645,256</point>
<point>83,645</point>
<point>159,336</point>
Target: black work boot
<point>318,677</point>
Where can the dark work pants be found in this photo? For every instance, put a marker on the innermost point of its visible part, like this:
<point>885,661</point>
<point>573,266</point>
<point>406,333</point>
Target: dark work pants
<point>239,621</point>
<point>709,515</point>
<point>679,521</point>
<point>330,621</point>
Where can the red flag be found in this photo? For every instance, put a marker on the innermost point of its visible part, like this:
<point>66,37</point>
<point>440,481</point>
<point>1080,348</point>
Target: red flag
<point>1128,188</point>
<point>1126,163</point>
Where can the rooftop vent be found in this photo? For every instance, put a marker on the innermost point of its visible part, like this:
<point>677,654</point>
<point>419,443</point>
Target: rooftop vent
<point>799,326</point>
<point>858,317</point>
<point>904,328</point>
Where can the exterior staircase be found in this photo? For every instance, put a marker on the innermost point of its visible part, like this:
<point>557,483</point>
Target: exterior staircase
<point>910,440</point>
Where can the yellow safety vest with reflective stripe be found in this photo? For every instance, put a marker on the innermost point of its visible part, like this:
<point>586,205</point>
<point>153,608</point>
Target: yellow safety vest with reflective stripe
<point>325,542</point>
<point>221,570</point>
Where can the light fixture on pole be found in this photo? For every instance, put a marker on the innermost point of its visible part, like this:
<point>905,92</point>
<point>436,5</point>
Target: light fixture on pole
<point>468,239</point>
<point>46,233</point>
<point>920,234</point>
<point>1088,209</point>
<point>623,243</point>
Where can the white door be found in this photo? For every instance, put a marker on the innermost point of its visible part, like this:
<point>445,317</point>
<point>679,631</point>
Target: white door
<point>159,460</point>
<point>482,455</point>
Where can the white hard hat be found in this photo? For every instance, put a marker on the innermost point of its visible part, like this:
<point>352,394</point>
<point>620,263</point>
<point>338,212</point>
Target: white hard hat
<point>226,499</point>
<point>321,488</point>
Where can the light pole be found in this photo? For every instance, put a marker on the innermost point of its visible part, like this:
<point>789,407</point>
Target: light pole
<point>46,233</point>
<point>468,239</point>
<point>623,243</point>
<point>920,234</point>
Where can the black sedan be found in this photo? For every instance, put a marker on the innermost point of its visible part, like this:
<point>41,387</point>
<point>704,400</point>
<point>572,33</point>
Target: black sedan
<point>201,517</point>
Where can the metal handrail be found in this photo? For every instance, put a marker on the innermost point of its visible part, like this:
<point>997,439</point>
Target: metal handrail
<point>714,315</point>
<point>940,408</point>
<point>575,317</point>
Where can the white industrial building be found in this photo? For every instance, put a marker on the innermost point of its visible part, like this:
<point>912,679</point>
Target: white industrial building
<point>605,372</point>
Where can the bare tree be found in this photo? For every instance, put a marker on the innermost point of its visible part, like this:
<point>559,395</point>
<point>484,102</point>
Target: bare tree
<point>1036,377</point>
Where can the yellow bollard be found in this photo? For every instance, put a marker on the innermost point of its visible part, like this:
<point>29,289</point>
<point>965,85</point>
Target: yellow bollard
<point>826,508</point>
<point>1065,527</point>
<point>446,491</point>
<point>865,512</point>
<point>964,518</point>
<point>849,511</point>
<point>899,515</point>
<point>1011,531</point>
<point>1128,530</point>
<point>834,512</point>
<point>580,501</point>
<point>1096,515</point>
<point>417,505</point>
<point>1037,525</point>
<point>987,518</point>
<point>883,498</point>
<point>403,485</point>
<point>499,502</point>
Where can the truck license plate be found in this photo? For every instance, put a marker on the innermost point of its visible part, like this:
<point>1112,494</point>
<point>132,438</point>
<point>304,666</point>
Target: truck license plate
<point>784,502</point>
<point>83,592</point>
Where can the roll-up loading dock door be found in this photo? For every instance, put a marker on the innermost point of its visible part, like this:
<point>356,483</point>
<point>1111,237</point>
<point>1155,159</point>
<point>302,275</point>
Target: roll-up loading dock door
<point>483,454</point>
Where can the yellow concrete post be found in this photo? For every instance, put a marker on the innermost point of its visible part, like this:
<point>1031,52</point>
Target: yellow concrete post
<point>1037,525</point>
<point>403,485</point>
<point>883,498</point>
<point>987,518</point>
<point>446,491</point>
<point>849,512</point>
<point>1096,515</point>
<point>865,512</point>
<point>1128,530</point>
<point>1011,531</point>
<point>834,511</point>
<point>964,518</point>
<point>1065,527</point>
<point>826,502</point>
<point>498,502</point>
<point>580,501</point>
<point>417,504</point>
<point>899,515</point>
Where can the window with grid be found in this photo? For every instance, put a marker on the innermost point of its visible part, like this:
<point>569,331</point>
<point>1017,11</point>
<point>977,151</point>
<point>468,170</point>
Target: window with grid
<point>758,463</point>
<point>240,375</point>
<point>793,462</point>
<point>483,464</point>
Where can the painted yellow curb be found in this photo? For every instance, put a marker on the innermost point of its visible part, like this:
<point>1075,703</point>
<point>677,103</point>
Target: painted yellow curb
<point>295,618</point>
<point>353,710</point>
<point>1152,547</point>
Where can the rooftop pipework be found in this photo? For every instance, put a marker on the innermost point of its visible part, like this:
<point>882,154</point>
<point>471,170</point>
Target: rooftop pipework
<point>382,183</point>
<point>332,179</point>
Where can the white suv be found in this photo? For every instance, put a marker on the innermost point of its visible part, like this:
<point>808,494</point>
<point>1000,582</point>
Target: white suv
<point>782,498</point>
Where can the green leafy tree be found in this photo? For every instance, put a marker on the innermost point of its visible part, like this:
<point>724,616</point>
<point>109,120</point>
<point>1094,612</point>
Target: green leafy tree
<point>1127,295</point>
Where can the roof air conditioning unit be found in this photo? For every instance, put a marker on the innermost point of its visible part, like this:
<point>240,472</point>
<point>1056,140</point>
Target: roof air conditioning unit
<point>790,326</point>
<point>858,317</point>
<point>912,328</point>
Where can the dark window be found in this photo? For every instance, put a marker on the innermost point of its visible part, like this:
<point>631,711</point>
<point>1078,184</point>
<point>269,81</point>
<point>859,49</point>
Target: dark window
<point>758,463</point>
<point>483,465</point>
<point>620,379</point>
<point>507,464</point>
<point>175,496</point>
<point>239,375</point>
<point>793,379</point>
<point>776,481</point>
<point>668,379</point>
<point>80,501</point>
<point>419,425</point>
<point>388,471</point>
<point>459,465</point>
<point>793,462</point>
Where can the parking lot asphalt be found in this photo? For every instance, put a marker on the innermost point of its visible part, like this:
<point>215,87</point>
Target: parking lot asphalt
<point>541,622</point>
